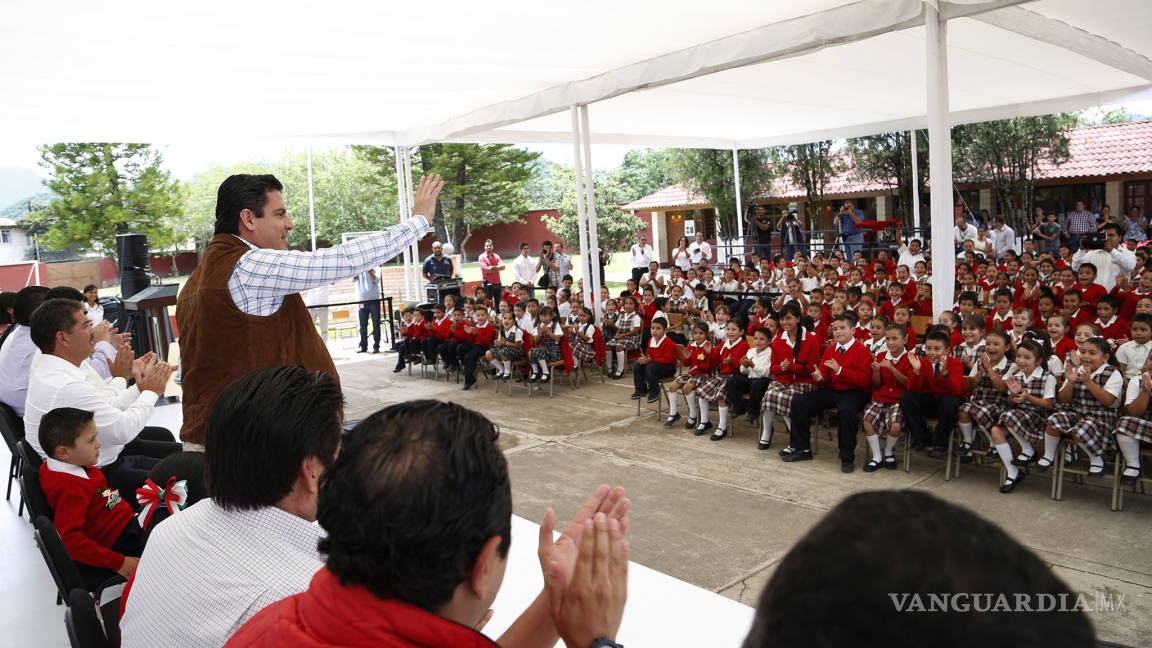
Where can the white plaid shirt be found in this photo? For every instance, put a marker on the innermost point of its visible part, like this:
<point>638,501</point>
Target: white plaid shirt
<point>1080,222</point>
<point>263,277</point>
<point>206,571</point>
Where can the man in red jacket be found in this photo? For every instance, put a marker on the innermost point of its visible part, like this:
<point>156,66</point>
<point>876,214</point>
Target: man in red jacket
<point>936,390</point>
<point>97,526</point>
<point>418,511</point>
<point>843,375</point>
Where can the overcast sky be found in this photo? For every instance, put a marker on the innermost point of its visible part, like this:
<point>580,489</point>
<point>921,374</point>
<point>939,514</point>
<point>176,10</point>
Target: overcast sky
<point>186,159</point>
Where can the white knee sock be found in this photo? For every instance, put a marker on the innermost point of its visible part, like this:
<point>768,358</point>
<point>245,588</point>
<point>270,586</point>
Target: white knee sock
<point>1005,452</point>
<point>966,430</point>
<point>1093,460</point>
<point>766,417</point>
<point>621,361</point>
<point>703,409</point>
<point>692,413</point>
<point>1050,444</point>
<point>1130,449</point>
<point>543,366</point>
<point>508,367</point>
<point>890,443</point>
<point>673,403</point>
<point>874,445</point>
<point>1025,445</point>
<point>723,417</point>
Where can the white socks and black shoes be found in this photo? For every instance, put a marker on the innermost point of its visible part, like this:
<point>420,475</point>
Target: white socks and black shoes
<point>1130,452</point>
<point>876,461</point>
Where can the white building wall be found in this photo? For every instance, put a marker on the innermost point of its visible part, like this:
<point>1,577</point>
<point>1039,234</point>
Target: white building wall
<point>18,244</point>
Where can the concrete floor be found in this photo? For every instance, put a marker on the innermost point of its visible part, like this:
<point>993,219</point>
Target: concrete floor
<point>719,515</point>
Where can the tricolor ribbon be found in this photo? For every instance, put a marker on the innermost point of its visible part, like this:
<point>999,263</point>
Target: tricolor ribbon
<point>174,497</point>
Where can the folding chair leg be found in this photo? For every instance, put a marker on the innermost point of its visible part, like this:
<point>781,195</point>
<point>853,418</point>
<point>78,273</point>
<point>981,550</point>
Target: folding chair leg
<point>13,470</point>
<point>948,458</point>
<point>1058,473</point>
<point>907,452</point>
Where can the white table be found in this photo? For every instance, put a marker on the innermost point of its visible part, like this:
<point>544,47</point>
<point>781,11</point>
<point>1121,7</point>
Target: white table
<point>169,416</point>
<point>662,611</point>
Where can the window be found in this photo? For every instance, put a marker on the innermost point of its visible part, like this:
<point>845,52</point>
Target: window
<point>1062,199</point>
<point>5,236</point>
<point>1137,194</point>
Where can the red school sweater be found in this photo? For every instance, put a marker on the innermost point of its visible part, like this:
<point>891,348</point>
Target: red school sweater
<point>700,359</point>
<point>664,352</point>
<point>801,363</point>
<point>483,335</point>
<point>728,357</point>
<point>889,389</point>
<point>88,515</point>
<point>855,367</point>
<point>949,384</point>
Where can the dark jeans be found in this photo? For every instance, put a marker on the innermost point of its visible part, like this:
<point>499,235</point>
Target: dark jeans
<point>790,251</point>
<point>646,377</point>
<point>430,345</point>
<point>451,352</point>
<point>738,385</point>
<point>636,274</point>
<point>370,309</point>
<point>763,249</point>
<point>850,402</point>
<point>470,354</point>
<point>918,407</point>
<point>495,292</point>
<point>405,348</point>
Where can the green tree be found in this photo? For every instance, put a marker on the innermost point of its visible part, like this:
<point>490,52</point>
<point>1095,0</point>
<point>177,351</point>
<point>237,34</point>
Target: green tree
<point>484,184</point>
<point>811,166</point>
<point>615,228</point>
<point>105,189</point>
<point>887,158</point>
<point>643,172</point>
<point>709,172</point>
<point>1008,153</point>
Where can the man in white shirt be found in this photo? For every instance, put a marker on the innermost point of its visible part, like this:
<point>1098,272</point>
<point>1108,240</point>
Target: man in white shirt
<point>1003,238</point>
<point>700,251</point>
<point>964,231</point>
<point>524,270</point>
<point>910,253</point>
<point>211,567</point>
<point>17,351</point>
<point>640,256</point>
<point>61,378</point>
<point>368,294</point>
<point>1112,261</point>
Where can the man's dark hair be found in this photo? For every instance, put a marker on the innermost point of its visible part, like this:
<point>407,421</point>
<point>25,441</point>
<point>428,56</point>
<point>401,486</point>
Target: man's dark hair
<point>1114,227</point>
<point>239,192</point>
<point>27,300</point>
<point>61,427</point>
<point>53,316</point>
<point>64,292</point>
<point>417,491</point>
<point>262,427</point>
<point>546,242</point>
<point>7,300</point>
<point>810,603</point>
<point>524,245</point>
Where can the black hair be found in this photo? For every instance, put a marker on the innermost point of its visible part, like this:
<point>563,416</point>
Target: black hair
<point>939,336</point>
<point>27,300</point>
<point>847,316</point>
<point>661,321</point>
<point>53,316</point>
<point>415,495</point>
<point>262,427</point>
<point>1095,270</point>
<point>1143,318</point>
<point>660,303</point>
<point>566,277</point>
<point>1104,347</point>
<point>1002,292</point>
<point>809,603</point>
<point>899,328</point>
<point>64,292</point>
<point>703,327</point>
<point>1110,300</point>
<point>239,192</point>
<point>61,427</point>
<point>763,330</point>
<point>547,310</point>
<point>7,300</point>
<point>1041,349</point>
<point>967,295</point>
<point>524,245</point>
<point>1112,226</point>
<point>90,287</point>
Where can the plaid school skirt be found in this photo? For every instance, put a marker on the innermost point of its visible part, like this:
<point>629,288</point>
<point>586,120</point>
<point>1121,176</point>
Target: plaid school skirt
<point>1024,423</point>
<point>508,353</point>
<point>1135,427</point>
<point>691,379</point>
<point>778,397</point>
<point>624,343</point>
<point>1091,431</point>
<point>714,387</point>
<point>583,350</point>
<point>548,351</point>
<point>984,413</point>
<point>881,415</point>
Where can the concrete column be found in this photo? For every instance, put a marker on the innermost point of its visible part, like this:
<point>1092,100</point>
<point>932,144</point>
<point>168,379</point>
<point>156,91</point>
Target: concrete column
<point>1114,197</point>
<point>881,207</point>
<point>659,235</point>
<point>986,201</point>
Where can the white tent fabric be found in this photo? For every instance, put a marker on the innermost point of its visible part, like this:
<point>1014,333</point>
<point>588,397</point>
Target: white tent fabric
<point>727,73</point>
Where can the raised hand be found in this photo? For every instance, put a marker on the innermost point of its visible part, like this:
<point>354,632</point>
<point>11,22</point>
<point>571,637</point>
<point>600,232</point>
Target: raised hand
<point>102,332</point>
<point>914,360</point>
<point>833,365</point>
<point>563,551</point>
<point>426,194</point>
<point>592,603</point>
<point>1146,382</point>
<point>142,364</point>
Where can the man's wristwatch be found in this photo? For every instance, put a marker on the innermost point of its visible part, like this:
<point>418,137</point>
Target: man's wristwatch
<point>605,642</point>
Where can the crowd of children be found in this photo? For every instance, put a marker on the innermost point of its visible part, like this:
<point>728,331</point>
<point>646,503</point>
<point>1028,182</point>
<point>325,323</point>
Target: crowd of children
<point>1032,351</point>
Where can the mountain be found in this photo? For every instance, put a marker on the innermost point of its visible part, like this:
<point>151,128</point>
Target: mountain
<point>17,183</point>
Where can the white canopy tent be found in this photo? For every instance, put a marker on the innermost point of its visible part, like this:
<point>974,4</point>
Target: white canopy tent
<point>726,74</point>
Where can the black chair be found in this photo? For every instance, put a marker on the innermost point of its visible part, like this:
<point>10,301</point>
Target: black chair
<point>87,626</point>
<point>12,429</point>
<point>67,573</point>
<point>30,488</point>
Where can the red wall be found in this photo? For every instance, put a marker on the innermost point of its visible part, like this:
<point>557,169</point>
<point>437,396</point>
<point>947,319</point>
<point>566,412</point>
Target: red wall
<point>15,277</point>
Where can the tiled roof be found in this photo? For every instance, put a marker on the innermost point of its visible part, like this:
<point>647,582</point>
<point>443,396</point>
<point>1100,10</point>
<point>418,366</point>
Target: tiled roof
<point>674,196</point>
<point>1096,151</point>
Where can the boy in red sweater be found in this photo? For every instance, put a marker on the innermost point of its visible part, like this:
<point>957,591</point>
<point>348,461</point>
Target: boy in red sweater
<point>413,340</point>
<point>97,527</point>
<point>890,372</point>
<point>657,363</point>
<point>843,374</point>
<point>935,390</point>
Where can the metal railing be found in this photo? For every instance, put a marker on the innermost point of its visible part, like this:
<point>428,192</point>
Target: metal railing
<point>387,315</point>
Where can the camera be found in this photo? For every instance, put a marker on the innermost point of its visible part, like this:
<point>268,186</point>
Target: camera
<point>1093,241</point>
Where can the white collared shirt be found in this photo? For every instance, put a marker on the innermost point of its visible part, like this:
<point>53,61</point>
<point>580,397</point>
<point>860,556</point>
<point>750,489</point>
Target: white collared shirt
<point>1114,385</point>
<point>55,465</point>
<point>975,370</point>
<point>1133,388</point>
<point>1049,381</point>
<point>761,363</point>
<point>119,412</point>
<point>1133,356</point>
<point>206,571</point>
<point>524,270</point>
<point>653,343</point>
<point>639,256</point>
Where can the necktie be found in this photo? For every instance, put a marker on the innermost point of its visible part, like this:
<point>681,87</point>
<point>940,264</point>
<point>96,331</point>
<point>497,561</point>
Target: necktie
<point>841,350</point>
<point>935,370</point>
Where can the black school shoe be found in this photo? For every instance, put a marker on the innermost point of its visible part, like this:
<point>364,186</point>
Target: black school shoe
<point>847,466</point>
<point>703,429</point>
<point>636,395</point>
<point>1008,485</point>
<point>718,434</point>
<point>671,420</point>
<point>798,455</point>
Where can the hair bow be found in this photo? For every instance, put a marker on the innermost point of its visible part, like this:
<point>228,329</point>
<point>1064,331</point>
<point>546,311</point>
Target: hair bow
<point>174,497</point>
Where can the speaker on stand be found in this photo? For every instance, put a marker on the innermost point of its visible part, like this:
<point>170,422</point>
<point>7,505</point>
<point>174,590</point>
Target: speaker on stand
<point>135,275</point>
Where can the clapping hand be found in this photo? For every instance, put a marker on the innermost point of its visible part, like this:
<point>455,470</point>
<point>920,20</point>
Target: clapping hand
<point>914,360</point>
<point>785,364</point>
<point>142,364</point>
<point>817,376</point>
<point>1146,382</point>
<point>832,364</point>
<point>1073,374</point>
<point>121,366</point>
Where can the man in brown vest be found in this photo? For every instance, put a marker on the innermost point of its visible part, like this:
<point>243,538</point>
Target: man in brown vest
<point>241,308</point>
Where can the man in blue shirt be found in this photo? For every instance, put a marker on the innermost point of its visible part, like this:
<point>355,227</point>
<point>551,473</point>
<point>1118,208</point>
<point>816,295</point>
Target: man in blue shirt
<point>437,265</point>
<point>368,294</point>
<point>852,236</point>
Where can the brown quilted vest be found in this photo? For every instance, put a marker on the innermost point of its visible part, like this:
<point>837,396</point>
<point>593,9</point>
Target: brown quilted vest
<point>220,343</point>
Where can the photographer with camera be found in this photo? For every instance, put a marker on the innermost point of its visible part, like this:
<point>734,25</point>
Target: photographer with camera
<point>791,236</point>
<point>851,236</point>
<point>1103,250</point>
<point>550,265</point>
<point>762,230</point>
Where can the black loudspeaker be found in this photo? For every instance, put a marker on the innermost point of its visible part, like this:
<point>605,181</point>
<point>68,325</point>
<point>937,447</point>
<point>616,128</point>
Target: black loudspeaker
<point>135,272</point>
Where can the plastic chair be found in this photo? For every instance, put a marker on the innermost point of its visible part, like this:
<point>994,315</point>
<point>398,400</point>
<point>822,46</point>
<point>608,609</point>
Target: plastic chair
<point>67,573</point>
<point>1117,489</point>
<point>12,429</point>
<point>30,489</point>
<point>83,622</point>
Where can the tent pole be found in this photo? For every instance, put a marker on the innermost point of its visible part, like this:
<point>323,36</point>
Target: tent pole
<point>739,203</point>
<point>311,201</point>
<point>939,161</point>
<point>417,278</point>
<point>915,182</point>
<point>401,199</point>
<point>590,216</point>
<point>581,213</point>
